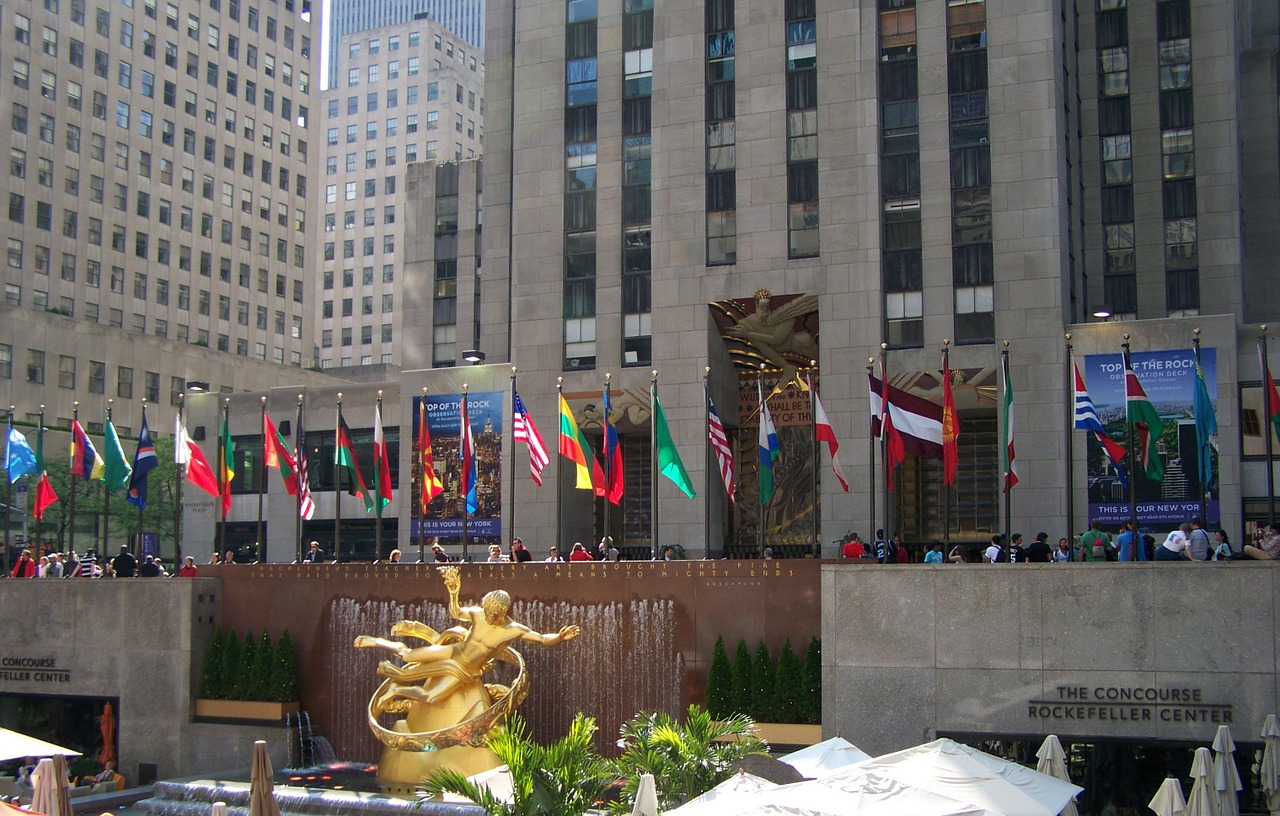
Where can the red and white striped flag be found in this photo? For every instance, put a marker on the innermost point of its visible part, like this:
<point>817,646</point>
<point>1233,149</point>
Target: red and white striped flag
<point>523,430</point>
<point>823,432</point>
<point>720,444</point>
<point>306,507</point>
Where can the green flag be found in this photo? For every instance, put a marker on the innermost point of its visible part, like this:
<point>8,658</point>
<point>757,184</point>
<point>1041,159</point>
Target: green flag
<point>1146,422</point>
<point>668,457</point>
<point>118,470</point>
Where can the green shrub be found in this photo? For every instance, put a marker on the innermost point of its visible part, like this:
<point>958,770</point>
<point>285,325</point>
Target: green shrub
<point>788,686</point>
<point>284,671</point>
<point>720,683</point>
<point>264,655</point>
<point>230,667</point>
<point>811,674</point>
<point>211,684</point>
<point>762,678</point>
<point>743,687</point>
<point>244,675</point>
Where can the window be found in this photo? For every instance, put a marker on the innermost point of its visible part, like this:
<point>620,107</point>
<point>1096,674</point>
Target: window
<point>124,382</point>
<point>35,366</point>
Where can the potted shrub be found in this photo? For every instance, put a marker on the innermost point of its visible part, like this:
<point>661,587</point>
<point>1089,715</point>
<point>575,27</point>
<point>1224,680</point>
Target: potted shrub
<point>250,681</point>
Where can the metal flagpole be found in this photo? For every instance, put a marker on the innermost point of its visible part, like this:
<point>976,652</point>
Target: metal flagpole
<point>298,441</point>
<point>139,533</point>
<point>604,448</point>
<point>462,481</point>
<point>1136,540</point>
<point>40,438</point>
<point>1071,455</point>
<point>888,476</point>
<point>1204,487</point>
<point>222,488</point>
<point>423,500</point>
<point>8,496</point>
<point>653,460</point>
<point>71,502</point>
<point>946,488</point>
<point>262,480</point>
<point>559,466</point>
<point>337,486</point>
<point>871,452</point>
<point>815,477</point>
<point>178,478</point>
<point>1006,553</point>
<point>760,466</point>
<point>106,498</point>
<point>511,477</point>
<point>377,501</point>
<point>707,463</point>
<point>1266,431</point>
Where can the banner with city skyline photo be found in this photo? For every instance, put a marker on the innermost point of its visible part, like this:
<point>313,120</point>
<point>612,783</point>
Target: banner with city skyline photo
<point>1168,377</point>
<point>444,515</point>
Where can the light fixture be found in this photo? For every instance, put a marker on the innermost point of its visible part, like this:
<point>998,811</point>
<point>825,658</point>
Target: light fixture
<point>1102,313</point>
<point>473,356</point>
<point>196,386</point>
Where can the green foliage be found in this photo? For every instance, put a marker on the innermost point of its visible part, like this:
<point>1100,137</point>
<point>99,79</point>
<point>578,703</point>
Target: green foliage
<point>811,681</point>
<point>230,667</point>
<point>562,779</point>
<point>686,759</point>
<point>743,685</point>
<point>212,684</point>
<point>762,675</point>
<point>788,688</point>
<point>284,671</point>
<point>260,675</point>
<point>720,683</point>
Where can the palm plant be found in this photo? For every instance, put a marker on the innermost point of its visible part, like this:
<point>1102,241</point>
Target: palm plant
<point>686,759</point>
<point>562,779</point>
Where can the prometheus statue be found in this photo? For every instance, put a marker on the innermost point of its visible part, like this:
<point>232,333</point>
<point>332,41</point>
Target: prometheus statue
<point>440,687</point>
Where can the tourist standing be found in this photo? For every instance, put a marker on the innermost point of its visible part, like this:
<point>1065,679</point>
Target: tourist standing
<point>519,552</point>
<point>1017,552</point>
<point>1038,551</point>
<point>607,551</point>
<point>1095,543</point>
<point>25,567</point>
<point>1126,543</point>
<point>314,555</point>
<point>934,556</point>
<point>124,565</point>
<point>1063,554</point>
<point>188,568</point>
<point>994,553</point>
<point>1201,549</point>
<point>579,553</point>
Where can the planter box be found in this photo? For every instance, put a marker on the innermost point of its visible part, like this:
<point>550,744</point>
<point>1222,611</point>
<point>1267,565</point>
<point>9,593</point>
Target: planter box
<point>245,710</point>
<point>789,733</point>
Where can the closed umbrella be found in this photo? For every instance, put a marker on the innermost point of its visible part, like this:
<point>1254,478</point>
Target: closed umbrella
<point>646,797</point>
<point>1226,779</point>
<point>219,809</point>
<point>50,794</point>
<point>1052,760</point>
<point>1202,801</point>
<point>107,725</point>
<point>1169,801</point>
<point>262,793</point>
<point>1269,768</point>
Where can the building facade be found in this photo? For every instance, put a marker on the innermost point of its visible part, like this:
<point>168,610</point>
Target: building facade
<point>465,18</point>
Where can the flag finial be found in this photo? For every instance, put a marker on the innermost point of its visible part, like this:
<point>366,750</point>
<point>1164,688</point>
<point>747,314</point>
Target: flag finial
<point>513,371</point>
<point>946,341</point>
<point>1006,342</point>
<point>1196,331</point>
<point>264,400</point>
<point>1068,336</point>
<point>379,393</point>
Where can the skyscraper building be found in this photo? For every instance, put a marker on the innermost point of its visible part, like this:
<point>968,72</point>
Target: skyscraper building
<point>465,18</point>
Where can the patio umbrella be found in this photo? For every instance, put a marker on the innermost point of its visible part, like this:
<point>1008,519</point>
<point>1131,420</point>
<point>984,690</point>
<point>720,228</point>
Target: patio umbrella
<point>1168,800</point>
<point>968,775</point>
<point>646,797</point>
<point>219,809</point>
<point>7,809</point>
<point>1226,779</point>
<point>50,793</point>
<point>107,725</point>
<point>740,784</point>
<point>1269,768</point>
<point>262,794</point>
<point>1202,801</point>
<point>17,746</point>
<point>1052,760</point>
<point>826,756</point>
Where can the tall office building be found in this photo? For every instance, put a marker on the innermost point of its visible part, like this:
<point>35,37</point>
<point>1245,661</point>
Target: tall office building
<point>465,18</point>
<point>159,163</point>
<point>412,92</point>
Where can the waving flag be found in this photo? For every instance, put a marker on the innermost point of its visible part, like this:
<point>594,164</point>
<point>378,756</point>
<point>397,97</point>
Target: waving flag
<point>1147,424</point>
<point>116,470</point>
<point>609,485</point>
<point>144,461</point>
<point>226,467</point>
<point>523,430</point>
<point>278,455</point>
<point>85,461</point>
<point>431,486</point>
<point>720,444</point>
<point>44,489</point>
<point>916,420</point>
<point>467,453</point>
<point>187,452</point>
<point>1270,396</point>
<point>306,507</point>
<point>574,447</point>
<point>381,463</point>
<point>823,432</point>
<point>883,426</point>
<point>669,463</point>
<point>1206,426</point>
<point>1008,460</point>
<point>19,459</point>
<point>344,456</point>
<point>767,445</point>
<point>1086,419</point>
<point>950,426</point>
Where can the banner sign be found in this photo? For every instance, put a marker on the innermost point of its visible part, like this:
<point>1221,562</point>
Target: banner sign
<point>444,516</point>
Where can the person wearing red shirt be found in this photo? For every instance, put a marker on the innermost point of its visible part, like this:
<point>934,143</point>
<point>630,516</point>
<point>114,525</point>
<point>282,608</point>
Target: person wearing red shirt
<point>188,568</point>
<point>579,553</point>
<point>25,566</point>
<point>853,547</point>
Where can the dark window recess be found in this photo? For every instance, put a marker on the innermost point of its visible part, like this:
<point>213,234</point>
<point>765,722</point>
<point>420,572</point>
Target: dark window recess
<point>580,124</point>
<point>636,291</point>
<point>967,72</point>
<point>720,101</point>
<point>580,210</point>
<point>800,9</point>
<point>975,327</point>
<point>635,205</point>
<point>580,40</point>
<point>446,179</point>
<point>1113,116</point>
<point>973,265</point>
<point>1120,292</point>
<point>722,191</point>
<point>802,182</point>
<point>902,235</point>
<point>637,31</point>
<point>1173,19</point>
<point>1182,289</point>
<point>802,89</point>
<point>898,81</point>
<point>1176,109</point>
<point>1117,204</point>
<point>900,175</point>
<point>971,167</point>
<point>720,15</point>
<point>903,271</point>
<point>636,116</point>
<point>1113,28</point>
<point>1180,198</point>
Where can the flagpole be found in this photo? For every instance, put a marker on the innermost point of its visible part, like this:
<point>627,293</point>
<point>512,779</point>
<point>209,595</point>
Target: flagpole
<point>139,533</point>
<point>462,482</point>
<point>178,477</point>
<point>604,439</point>
<point>871,453</point>
<point>1266,409</point>
<point>1071,437</point>
<point>559,472</point>
<point>1007,553</point>
<point>653,459</point>
<point>40,518</point>
<point>707,464</point>
<point>423,500</point>
<point>377,500</point>
<point>262,479</point>
<point>815,477</point>
<point>337,490</point>
<point>885,411</point>
<point>8,494</point>
<point>106,499</point>
<point>71,528</point>
<point>298,441</point>
<point>759,472</point>
<point>1200,453</point>
<point>946,488</point>
<point>511,476</point>
<point>1132,457</point>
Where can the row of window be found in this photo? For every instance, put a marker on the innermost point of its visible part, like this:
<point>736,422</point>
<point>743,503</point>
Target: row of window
<point>368,245</point>
<point>345,337</point>
<point>579,295</point>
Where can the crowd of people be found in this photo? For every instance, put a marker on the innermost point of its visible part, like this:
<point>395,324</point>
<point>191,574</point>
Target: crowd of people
<point>89,565</point>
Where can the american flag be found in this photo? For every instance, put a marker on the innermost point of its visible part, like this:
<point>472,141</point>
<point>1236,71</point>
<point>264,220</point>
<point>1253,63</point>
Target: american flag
<point>523,430</point>
<point>720,444</point>
<point>306,507</point>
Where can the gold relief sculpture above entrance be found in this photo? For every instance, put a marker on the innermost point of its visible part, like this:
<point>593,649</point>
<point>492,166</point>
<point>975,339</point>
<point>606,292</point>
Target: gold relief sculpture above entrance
<point>448,709</point>
<point>779,331</point>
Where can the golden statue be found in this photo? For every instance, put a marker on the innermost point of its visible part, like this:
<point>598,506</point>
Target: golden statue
<point>448,708</point>
<point>772,333</point>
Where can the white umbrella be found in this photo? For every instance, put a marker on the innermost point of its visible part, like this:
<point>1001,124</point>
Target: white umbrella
<point>1269,768</point>
<point>17,746</point>
<point>219,809</point>
<point>1226,779</point>
<point>826,756</point>
<point>646,797</point>
<point>740,784</point>
<point>262,789</point>
<point>1052,760</point>
<point>50,791</point>
<point>966,774</point>
<point>1169,801</point>
<point>1202,801</point>
<point>498,781</point>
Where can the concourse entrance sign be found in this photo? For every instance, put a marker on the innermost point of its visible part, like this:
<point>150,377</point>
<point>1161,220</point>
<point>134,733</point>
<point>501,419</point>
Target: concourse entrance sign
<point>1137,704</point>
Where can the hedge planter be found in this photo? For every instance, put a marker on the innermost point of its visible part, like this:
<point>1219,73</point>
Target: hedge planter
<point>789,733</point>
<point>245,711</point>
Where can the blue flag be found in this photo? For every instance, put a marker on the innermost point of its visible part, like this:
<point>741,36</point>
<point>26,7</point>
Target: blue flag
<point>767,442</point>
<point>1206,427</point>
<point>19,458</point>
<point>144,461</point>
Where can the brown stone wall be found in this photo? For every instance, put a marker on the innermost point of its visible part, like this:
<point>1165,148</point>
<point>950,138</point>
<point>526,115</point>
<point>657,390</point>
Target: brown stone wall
<point>649,628</point>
